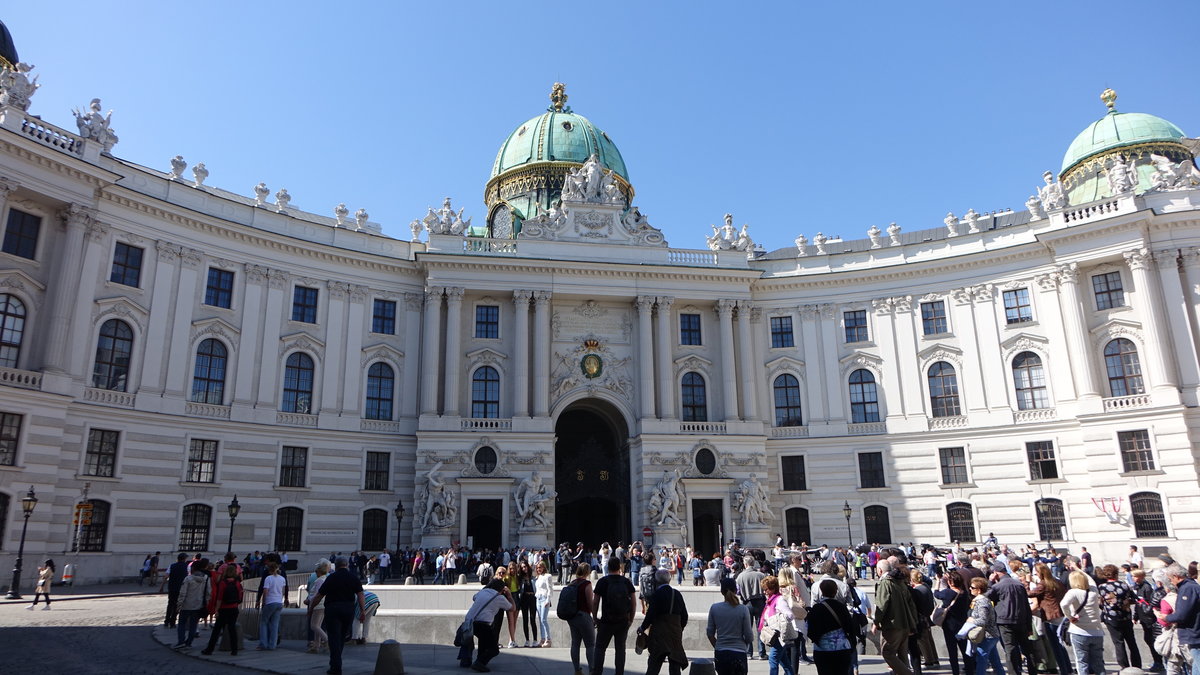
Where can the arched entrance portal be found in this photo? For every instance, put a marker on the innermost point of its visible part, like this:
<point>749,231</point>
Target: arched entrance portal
<point>591,475</point>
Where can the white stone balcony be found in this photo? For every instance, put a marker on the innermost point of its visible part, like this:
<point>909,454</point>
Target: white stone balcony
<point>493,246</point>
<point>486,424</point>
<point>954,422</point>
<point>42,132</point>
<point>678,256</point>
<point>702,427</point>
<point>25,379</point>
<point>1100,209</point>
<point>1117,403</point>
<point>220,412</point>
<point>1038,415</point>
<point>789,432</point>
<point>866,428</point>
<point>296,419</point>
<point>108,397</point>
<point>380,425</point>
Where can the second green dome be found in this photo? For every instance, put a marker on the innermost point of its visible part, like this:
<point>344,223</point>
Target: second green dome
<point>1116,130</point>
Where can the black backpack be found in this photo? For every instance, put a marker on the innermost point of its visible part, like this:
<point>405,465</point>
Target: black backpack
<point>568,601</point>
<point>617,606</point>
<point>231,596</point>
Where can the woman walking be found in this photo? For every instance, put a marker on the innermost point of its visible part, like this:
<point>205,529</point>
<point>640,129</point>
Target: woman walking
<point>225,603</point>
<point>583,628</point>
<point>729,631</point>
<point>316,611</point>
<point>956,608</point>
<point>528,601</point>
<point>983,615</point>
<point>45,578</point>
<point>1048,593</point>
<point>832,631</point>
<point>272,606</point>
<point>1081,606</point>
<point>543,588</point>
<point>777,654</point>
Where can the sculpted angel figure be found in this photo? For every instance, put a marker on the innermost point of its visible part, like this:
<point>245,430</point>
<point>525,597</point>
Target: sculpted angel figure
<point>667,498</point>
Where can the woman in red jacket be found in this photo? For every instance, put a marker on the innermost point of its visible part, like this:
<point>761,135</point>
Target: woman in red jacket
<point>227,597</point>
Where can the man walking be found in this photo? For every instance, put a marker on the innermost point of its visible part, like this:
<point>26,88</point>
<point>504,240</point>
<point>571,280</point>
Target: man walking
<point>176,574</point>
<point>666,619</point>
<point>895,617</point>
<point>340,591</point>
<point>1186,616</point>
<point>1013,618</point>
<point>749,585</point>
<point>615,593</point>
<point>385,566</point>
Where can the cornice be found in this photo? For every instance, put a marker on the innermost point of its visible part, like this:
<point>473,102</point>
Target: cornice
<point>60,163</point>
<point>601,269</point>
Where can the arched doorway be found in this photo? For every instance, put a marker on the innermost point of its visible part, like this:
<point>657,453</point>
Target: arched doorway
<point>591,475</point>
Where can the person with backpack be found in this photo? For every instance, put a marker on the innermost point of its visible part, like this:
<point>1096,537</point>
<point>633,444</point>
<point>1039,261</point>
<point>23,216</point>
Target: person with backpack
<point>614,593</point>
<point>665,621</point>
<point>575,603</point>
<point>646,580</point>
<point>227,597</point>
<point>193,601</point>
<point>486,606</point>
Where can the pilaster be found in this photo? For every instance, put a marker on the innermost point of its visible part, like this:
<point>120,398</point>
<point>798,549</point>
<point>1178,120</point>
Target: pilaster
<point>454,298</point>
<point>1160,365</point>
<point>1177,310</point>
<point>666,386</point>
<point>541,354</point>
<point>645,308</point>
<point>410,396</point>
<point>520,376</point>
<point>728,354</point>
<point>431,345</point>
<point>166,265</point>
<point>747,361</point>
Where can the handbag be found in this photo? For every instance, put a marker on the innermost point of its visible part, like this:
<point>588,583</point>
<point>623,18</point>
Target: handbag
<point>1167,643</point>
<point>976,634</point>
<point>1066,622</point>
<point>939,616</point>
<point>466,631</point>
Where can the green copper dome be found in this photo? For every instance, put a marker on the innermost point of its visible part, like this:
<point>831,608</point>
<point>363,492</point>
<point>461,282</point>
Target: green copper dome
<point>1117,130</point>
<point>558,136</point>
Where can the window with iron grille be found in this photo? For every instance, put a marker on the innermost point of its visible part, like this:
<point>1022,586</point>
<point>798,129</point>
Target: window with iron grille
<point>1148,517</point>
<point>194,527</point>
<point>877,524</point>
<point>1109,290</point>
<point>100,458</point>
<point>379,469</point>
<point>798,529</point>
<point>113,350</point>
<point>293,466</point>
<point>689,329</point>
<point>864,397</point>
<point>1136,454</point>
<point>781,332</point>
<point>933,318</point>
<point>485,393</point>
<point>94,536</point>
<point>383,317</point>
<point>1029,381</point>
<point>856,325</point>
<point>693,395</point>
<point>961,518</point>
<point>1051,519</point>
<point>10,436</point>
<point>1016,306</point>
<point>487,322</point>
<point>374,529</point>
<point>126,265</point>
<point>954,465</point>
<point>12,330</point>
<point>870,470</point>
<point>1042,463</point>
<point>289,525</point>
<point>943,390</point>
<point>208,377</point>
<point>21,235</point>
<point>1124,369</point>
<point>202,461</point>
<point>381,381</point>
<point>219,291</point>
<point>787,401</point>
<point>304,304</point>
<point>794,477</point>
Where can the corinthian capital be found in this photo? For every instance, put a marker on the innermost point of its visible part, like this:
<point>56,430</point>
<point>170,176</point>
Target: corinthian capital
<point>1138,259</point>
<point>725,308</point>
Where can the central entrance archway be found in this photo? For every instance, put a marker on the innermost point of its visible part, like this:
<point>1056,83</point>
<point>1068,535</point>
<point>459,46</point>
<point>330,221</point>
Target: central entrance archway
<point>591,475</point>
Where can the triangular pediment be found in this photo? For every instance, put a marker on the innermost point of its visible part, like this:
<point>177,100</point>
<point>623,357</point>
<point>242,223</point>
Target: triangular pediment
<point>692,362</point>
<point>120,306</point>
<point>215,327</point>
<point>20,281</point>
<point>382,352</point>
<point>1024,341</point>
<point>941,352</point>
<point>861,360</point>
<point>785,363</point>
<point>301,340</point>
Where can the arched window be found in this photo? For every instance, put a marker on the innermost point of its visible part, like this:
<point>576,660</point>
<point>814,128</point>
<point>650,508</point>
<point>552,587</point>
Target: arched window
<point>93,536</point>
<point>380,387</point>
<point>1051,519</point>
<point>787,402</point>
<point>193,529</point>
<point>961,518</point>
<point>864,398</point>
<point>1030,381</point>
<point>12,329</point>
<point>4,502</point>
<point>208,379</point>
<point>695,402</point>
<point>877,524</point>
<point>1124,370</point>
<point>289,524</point>
<point>485,393</point>
<point>112,356</point>
<point>374,530</point>
<point>798,528</point>
<point>298,384</point>
<point>1148,517</point>
<point>943,390</point>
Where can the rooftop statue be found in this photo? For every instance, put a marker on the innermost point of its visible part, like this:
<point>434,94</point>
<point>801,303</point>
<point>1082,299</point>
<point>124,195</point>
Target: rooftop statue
<point>972,220</point>
<point>341,213</point>
<point>951,222</point>
<point>873,235</point>
<point>260,194</point>
<point>558,98</point>
<point>282,198</point>
<point>1122,178</point>
<point>415,226</point>
<point>728,239</point>
<point>92,125</point>
<point>591,183</point>
<point>893,231</point>
<point>1170,175</point>
<point>1034,205</point>
<point>801,246</point>
<point>819,242</point>
<point>360,218</point>
<point>445,221</point>
<point>1051,194</point>
<point>200,173</point>
<point>177,167</point>
<point>15,86</point>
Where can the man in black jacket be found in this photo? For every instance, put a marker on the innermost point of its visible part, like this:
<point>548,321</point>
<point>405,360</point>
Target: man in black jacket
<point>176,573</point>
<point>666,618</point>
<point>920,643</point>
<point>1014,619</point>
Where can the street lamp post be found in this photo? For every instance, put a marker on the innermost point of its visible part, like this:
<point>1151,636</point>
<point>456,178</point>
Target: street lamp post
<point>399,511</point>
<point>234,509</point>
<point>846,511</point>
<point>27,503</point>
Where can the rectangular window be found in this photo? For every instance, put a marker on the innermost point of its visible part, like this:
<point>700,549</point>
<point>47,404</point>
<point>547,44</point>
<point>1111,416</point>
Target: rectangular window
<point>487,322</point>
<point>856,325</point>
<point>219,292</point>
<point>1136,454</point>
<point>10,433</point>
<point>379,469</point>
<point>383,317</point>
<point>793,473</point>
<point>293,466</point>
<point>689,329</point>
<point>1042,465</point>
<point>781,332</point>
<point>870,470</point>
<point>933,318</point>
<point>1016,306</point>
<point>1109,291</point>
<point>100,458</point>
<point>954,465</point>
<point>21,235</point>
<point>126,265</point>
<point>202,461</point>
<point>304,304</point>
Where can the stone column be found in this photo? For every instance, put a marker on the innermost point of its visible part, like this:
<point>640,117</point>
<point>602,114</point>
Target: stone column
<point>81,345</point>
<point>728,354</point>
<point>666,386</point>
<point>161,304</point>
<point>409,393</point>
<point>645,306</point>
<point>269,383</point>
<point>816,397</point>
<point>912,395</point>
<point>431,349</point>
<point>1159,364</point>
<point>351,394</point>
<point>7,185</point>
<point>334,365</point>
<point>64,295</point>
<point>747,363</point>
<point>987,328</point>
<point>541,354</point>
<point>972,378</point>
<point>248,352</point>
<point>1075,332</point>
<point>520,390</point>
<point>454,297</point>
<point>180,341</point>
<point>832,384</point>
<point>1176,303</point>
<point>1191,268</point>
<point>886,326</point>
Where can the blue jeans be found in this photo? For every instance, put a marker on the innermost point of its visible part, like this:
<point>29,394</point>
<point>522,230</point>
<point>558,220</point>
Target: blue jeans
<point>777,657</point>
<point>582,630</point>
<point>543,611</point>
<point>1089,654</point>
<point>729,662</point>
<point>187,627</point>
<point>988,652</point>
<point>268,625</point>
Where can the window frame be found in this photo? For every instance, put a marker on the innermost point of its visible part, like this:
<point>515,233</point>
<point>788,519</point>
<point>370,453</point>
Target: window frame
<point>372,469</point>
<point>380,540</point>
<point>124,270</point>
<point>691,409</point>
<point>22,238</point>
<point>14,317</point>
<point>1130,376</point>
<point>93,538</point>
<point>1017,313</point>
<point>306,300</point>
<point>376,399</point>
<point>190,530</point>
<point>944,319</point>
<point>868,410</point>
<point>383,323</point>
<point>485,393</point>
<point>215,293</point>
<point>10,439</point>
<point>942,404</point>
<point>1038,396</point>
<point>91,447</point>
<point>783,335</point>
<point>788,524</point>
<point>289,471</point>
<point>212,389</point>
<point>1108,291</point>
<point>785,473</point>
<point>198,464</point>
<point>963,507</point>
<point>1138,522</point>
<point>792,412</point>
<point>1043,523</point>
<point>1146,459</point>
<point>109,373</point>
<point>861,470</point>
<point>856,333</point>
<point>868,520</point>
<point>956,467</point>
<point>487,322</point>
<point>291,395</point>
<point>294,533</point>
<point>689,335</point>
<point>1036,476</point>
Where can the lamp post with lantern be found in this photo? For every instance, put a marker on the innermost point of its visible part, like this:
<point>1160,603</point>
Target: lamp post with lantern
<point>234,509</point>
<point>29,501</point>
<point>846,511</point>
<point>399,511</point>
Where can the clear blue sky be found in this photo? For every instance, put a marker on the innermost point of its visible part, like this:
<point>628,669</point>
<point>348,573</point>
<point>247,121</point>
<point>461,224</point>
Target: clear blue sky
<point>794,118</point>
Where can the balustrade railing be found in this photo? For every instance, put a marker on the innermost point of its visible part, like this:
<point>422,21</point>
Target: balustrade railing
<point>52,136</point>
<point>866,428</point>
<point>380,425</point>
<point>948,422</point>
<point>690,257</point>
<point>789,432</point>
<point>208,410</point>
<point>1039,415</point>
<point>108,397</point>
<point>485,424</point>
<point>1126,402</point>
<point>296,419</point>
<point>25,379</point>
<point>701,427</point>
<point>478,245</point>
<point>1091,211</point>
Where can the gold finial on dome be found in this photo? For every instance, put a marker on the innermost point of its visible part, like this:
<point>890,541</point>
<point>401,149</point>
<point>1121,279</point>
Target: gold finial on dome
<point>1110,99</point>
<point>558,97</point>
